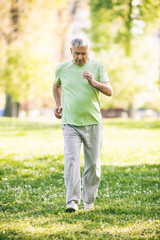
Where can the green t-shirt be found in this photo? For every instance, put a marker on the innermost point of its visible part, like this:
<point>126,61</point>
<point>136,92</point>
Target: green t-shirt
<point>80,101</point>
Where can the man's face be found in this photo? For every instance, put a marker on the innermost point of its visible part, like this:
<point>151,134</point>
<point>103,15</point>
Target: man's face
<point>80,55</point>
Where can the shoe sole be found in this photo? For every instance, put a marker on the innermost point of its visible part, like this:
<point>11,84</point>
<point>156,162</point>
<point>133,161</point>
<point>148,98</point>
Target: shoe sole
<point>70,210</point>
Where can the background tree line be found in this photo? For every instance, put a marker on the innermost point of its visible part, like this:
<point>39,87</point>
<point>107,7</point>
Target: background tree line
<point>33,40</point>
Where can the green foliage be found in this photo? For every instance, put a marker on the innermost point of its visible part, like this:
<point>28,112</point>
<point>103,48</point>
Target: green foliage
<point>26,62</point>
<point>123,78</point>
<point>120,21</point>
<point>133,78</point>
<point>22,74</point>
<point>32,188</point>
<point>117,32</point>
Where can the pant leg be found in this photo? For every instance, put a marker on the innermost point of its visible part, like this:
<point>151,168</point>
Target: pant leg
<point>92,141</point>
<point>72,146</point>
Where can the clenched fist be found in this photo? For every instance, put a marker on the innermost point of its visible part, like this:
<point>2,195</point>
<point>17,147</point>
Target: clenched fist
<point>58,112</point>
<point>89,76</point>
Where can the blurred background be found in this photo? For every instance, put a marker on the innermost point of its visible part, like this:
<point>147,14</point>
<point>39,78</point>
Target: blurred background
<point>35,36</point>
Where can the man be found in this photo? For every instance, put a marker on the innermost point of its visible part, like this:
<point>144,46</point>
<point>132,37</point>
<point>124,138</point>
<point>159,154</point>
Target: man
<point>81,79</point>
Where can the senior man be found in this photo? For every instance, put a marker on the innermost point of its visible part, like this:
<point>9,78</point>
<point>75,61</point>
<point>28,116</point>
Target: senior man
<point>81,79</point>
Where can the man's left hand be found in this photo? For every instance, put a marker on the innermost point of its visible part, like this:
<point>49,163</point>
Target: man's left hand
<point>89,76</point>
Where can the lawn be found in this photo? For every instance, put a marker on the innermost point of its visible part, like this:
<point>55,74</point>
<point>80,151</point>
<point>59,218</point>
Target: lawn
<point>32,193</point>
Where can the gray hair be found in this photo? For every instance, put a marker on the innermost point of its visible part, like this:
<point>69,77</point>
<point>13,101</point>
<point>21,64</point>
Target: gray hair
<point>80,42</point>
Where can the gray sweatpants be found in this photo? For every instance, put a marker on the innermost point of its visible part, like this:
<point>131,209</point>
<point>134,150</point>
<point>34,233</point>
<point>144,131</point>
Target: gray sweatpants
<point>91,137</point>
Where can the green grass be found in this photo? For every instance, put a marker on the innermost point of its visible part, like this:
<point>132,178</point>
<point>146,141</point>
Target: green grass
<point>32,193</point>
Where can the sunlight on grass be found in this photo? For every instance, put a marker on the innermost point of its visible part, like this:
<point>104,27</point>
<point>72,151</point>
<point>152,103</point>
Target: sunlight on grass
<point>145,229</point>
<point>130,147</point>
<point>32,192</point>
<point>38,227</point>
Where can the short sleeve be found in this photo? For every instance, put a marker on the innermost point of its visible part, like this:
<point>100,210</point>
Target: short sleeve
<point>103,76</point>
<point>57,74</point>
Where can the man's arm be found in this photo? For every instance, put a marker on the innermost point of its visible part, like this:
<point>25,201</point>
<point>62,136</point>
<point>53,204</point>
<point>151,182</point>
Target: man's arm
<point>57,96</point>
<point>103,87</point>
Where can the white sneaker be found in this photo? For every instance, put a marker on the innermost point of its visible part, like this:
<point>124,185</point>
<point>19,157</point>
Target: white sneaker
<point>88,206</point>
<point>72,206</point>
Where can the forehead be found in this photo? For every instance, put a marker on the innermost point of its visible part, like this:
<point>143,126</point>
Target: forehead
<point>80,49</point>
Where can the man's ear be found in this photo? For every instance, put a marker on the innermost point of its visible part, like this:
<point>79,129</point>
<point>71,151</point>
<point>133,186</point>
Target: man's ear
<point>71,50</point>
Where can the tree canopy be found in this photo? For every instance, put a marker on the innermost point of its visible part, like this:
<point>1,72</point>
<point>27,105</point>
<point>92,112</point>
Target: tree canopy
<point>120,31</point>
<point>118,21</point>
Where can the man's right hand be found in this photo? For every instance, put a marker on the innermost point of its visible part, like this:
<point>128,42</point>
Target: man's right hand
<point>58,112</point>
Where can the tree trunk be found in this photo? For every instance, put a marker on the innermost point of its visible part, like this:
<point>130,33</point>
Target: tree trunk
<point>8,107</point>
<point>12,108</point>
<point>131,111</point>
<point>15,109</point>
<point>128,24</point>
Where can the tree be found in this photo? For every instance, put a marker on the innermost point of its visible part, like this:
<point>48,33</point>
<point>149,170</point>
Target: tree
<point>119,32</point>
<point>14,39</point>
<point>21,75</point>
<point>22,23</point>
<point>131,75</point>
<point>10,31</point>
<point>120,21</point>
